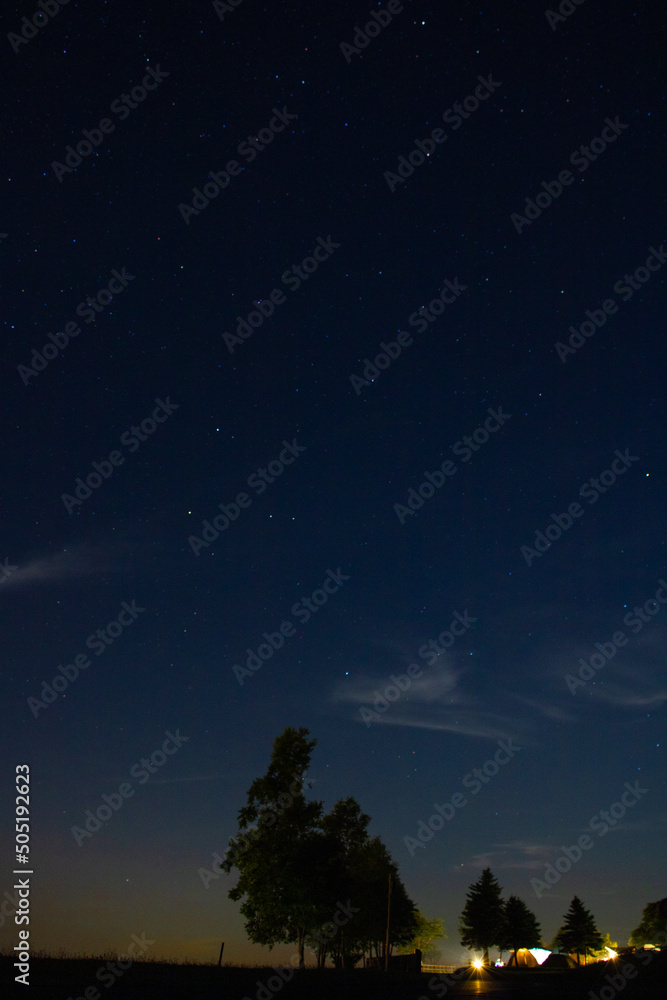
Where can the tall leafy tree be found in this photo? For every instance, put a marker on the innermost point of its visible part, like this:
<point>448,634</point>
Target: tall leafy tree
<point>653,926</point>
<point>300,869</point>
<point>579,933</point>
<point>483,915</point>
<point>280,863</point>
<point>520,927</point>
<point>345,833</point>
<point>370,869</point>
<point>424,938</point>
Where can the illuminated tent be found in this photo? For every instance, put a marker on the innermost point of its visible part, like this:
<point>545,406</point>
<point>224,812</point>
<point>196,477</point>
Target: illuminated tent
<point>523,959</point>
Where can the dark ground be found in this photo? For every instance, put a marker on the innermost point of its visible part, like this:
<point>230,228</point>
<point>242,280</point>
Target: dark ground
<point>68,979</point>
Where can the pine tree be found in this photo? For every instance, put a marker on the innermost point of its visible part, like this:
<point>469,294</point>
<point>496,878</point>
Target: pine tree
<point>520,927</point>
<point>483,915</point>
<point>579,933</point>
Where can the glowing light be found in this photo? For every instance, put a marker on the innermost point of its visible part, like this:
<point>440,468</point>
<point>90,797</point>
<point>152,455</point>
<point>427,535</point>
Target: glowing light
<point>477,963</point>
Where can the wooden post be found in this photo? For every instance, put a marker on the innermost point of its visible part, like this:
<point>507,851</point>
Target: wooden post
<point>220,956</point>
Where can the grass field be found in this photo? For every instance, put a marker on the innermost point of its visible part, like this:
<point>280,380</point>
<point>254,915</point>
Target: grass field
<point>643,977</point>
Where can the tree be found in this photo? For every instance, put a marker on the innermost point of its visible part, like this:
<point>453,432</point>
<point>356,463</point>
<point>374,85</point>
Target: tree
<point>357,868</point>
<point>280,859</point>
<point>520,927</point>
<point>602,954</point>
<point>345,831</point>
<point>483,915</point>
<point>579,933</point>
<point>370,870</point>
<point>426,934</point>
<point>309,877</point>
<point>653,927</point>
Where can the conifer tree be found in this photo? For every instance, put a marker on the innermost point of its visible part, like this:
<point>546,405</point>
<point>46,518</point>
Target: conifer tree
<point>579,933</point>
<point>482,919</point>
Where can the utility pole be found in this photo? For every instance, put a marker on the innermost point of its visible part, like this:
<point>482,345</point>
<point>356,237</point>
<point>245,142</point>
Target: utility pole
<point>386,940</point>
<point>220,956</point>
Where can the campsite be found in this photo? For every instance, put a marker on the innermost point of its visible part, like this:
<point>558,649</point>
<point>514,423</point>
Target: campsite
<point>638,977</point>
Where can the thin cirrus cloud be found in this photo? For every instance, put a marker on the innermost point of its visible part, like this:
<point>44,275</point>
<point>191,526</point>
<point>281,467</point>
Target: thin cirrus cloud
<point>433,701</point>
<point>69,564</point>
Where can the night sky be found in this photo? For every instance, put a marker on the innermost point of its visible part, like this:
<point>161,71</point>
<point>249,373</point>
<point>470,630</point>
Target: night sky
<point>223,516</point>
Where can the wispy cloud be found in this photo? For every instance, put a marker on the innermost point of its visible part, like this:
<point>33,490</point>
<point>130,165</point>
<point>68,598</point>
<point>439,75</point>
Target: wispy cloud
<point>547,708</point>
<point>436,700</point>
<point>435,685</point>
<point>518,854</point>
<point>69,563</point>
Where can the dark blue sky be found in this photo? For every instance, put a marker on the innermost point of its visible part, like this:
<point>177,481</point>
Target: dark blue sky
<point>387,392</point>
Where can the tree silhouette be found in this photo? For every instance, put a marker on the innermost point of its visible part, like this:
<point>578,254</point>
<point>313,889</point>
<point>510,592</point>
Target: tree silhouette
<point>579,933</point>
<point>372,869</point>
<point>483,915</point>
<point>653,926</point>
<point>307,876</point>
<point>520,927</point>
<point>280,861</point>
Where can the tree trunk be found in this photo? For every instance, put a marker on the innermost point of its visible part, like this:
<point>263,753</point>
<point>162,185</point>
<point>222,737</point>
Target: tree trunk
<point>301,938</point>
<point>486,956</point>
